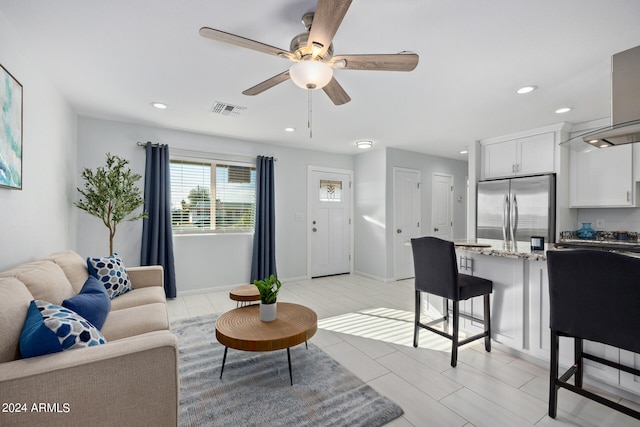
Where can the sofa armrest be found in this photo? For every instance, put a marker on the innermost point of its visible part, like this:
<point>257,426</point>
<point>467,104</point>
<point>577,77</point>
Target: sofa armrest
<point>142,277</point>
<point>126,382</point>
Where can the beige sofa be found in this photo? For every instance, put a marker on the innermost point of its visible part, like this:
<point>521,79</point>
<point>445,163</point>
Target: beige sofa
<point>131,380</point>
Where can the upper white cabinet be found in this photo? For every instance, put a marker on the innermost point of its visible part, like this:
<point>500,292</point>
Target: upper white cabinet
<point>528,155</point>
<point>602,177</point>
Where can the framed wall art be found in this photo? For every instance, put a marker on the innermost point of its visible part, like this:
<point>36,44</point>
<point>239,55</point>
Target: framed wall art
<point>10,131</point>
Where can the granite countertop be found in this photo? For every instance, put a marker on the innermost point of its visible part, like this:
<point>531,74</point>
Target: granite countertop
<point>605,244</point>
<point>499,248</point>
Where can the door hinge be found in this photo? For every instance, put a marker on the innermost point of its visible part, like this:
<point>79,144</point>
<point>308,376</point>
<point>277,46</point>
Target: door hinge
<point>418,184</point>
<point>452,223</point>
<point>349,184</point>
<point>349,221</point>
<point>452,188</point>
<point>418,224</point>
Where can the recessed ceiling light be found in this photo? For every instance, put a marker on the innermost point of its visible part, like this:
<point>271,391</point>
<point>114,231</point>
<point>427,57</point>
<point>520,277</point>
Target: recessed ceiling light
<point>464,152</point>
<point>289,129</point>
<point>526,89</point>
<point>159,105</point>
<point>604,145</point>
<point>364,144</point>
<point>563,110</point>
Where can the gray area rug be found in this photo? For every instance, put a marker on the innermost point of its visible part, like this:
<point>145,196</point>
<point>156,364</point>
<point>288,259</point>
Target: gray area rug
<point>255,387</point>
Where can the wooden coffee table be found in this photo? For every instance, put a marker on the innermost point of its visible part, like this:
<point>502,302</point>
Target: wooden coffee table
<point>242,329</point>
<point>244,294</point>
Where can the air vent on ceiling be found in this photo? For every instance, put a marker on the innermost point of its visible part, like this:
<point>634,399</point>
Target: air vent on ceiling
<point>227,109</point>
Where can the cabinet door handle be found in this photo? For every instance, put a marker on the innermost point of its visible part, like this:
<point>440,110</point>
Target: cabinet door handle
<point>628,196</point>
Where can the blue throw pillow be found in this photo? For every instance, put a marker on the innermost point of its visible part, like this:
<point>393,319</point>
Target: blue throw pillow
<point>50,328</point>
<point>111,273</point>
<point>92,303</point>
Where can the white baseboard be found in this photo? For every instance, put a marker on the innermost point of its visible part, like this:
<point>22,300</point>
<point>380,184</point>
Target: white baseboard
<point>370,276</point>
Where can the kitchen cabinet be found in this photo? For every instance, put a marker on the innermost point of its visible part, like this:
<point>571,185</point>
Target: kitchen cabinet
<point>602,177</point>
<point>627,380</point>
<point>507,299</point>
<point>529,155</point>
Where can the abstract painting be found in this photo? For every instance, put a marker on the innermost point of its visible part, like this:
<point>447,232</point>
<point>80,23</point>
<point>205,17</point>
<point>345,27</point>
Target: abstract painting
<point>10,131</point>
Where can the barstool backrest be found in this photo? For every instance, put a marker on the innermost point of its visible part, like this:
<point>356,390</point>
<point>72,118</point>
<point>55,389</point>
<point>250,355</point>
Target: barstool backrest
<point>595,295</point>
<point>435,268</point>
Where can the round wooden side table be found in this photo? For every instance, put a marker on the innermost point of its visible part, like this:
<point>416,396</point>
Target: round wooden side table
<point>245,294</point>
<point>242,329</point>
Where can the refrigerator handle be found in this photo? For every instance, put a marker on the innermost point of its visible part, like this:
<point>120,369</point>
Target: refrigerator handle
<point>505,217</point>
<point>514,218</point>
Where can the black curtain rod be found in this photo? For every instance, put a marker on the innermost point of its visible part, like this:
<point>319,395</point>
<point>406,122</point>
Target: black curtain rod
<point>144,144</point>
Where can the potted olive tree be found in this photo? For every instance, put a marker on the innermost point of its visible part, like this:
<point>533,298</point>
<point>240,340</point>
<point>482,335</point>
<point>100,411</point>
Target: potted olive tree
<point>110,194</point>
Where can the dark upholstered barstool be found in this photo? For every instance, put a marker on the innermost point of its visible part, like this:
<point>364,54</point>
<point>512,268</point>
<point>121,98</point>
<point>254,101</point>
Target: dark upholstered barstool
<point>595,296</point>
<point>436,273</point>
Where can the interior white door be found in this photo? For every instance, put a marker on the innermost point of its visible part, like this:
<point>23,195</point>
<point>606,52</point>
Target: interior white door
<point>406,219</point>
<point>329,221</point>
<point>442,206</point>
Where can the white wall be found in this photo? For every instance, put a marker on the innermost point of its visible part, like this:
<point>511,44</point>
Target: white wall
<point>39,219</point>
<point>204,261</point>
<point>370,214</point>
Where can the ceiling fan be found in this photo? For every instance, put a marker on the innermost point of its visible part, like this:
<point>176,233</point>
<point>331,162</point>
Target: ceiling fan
<point>312,54</point>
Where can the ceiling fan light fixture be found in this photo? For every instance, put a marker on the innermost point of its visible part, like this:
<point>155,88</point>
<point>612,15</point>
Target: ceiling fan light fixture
<point>311,74</point>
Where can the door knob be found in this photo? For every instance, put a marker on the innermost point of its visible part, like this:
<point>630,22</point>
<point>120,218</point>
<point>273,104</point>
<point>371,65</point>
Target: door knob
<point>436,229</point>
<point>398,231</point>
<point>314,229</point>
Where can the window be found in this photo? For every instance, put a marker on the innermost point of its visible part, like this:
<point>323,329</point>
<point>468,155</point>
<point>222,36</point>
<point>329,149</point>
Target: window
<point>212,196</point>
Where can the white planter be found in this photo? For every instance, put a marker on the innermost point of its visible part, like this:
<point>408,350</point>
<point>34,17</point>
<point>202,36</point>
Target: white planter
<point>268,312</point>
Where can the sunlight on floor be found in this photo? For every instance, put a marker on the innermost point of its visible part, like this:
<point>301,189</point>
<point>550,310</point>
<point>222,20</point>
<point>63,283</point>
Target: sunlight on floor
<point>385,324</point>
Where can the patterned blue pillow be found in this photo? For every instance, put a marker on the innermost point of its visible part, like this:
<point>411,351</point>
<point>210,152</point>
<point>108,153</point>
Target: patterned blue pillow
<point>92,303</point>
<point>50,328</point>
<point>111,273</point>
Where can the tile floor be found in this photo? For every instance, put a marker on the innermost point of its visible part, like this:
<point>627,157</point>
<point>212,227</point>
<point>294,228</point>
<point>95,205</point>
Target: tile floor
<point>366,325</point>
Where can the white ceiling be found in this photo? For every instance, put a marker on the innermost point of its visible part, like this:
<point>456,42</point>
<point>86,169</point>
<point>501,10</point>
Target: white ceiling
<point>111,59</point>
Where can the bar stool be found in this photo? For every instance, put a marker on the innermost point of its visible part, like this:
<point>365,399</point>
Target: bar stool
<point>593,295</point>
<point>436,273</point>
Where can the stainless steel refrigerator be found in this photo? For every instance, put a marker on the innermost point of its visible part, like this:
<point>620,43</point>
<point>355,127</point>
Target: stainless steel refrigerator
<point>515,209</point>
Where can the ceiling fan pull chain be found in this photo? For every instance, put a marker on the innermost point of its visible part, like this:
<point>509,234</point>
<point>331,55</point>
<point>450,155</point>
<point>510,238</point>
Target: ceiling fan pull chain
<point>309,114</point>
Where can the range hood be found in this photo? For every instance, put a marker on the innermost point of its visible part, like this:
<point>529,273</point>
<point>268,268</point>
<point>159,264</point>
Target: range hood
<point>625,103</point>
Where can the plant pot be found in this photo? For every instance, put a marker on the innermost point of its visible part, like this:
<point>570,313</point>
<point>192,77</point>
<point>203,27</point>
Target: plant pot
<point>268,312</point>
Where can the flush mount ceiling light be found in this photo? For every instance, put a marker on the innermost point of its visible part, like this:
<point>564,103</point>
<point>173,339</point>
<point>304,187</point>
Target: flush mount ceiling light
<point>364,144</point>
<point>311,74</point>
<point>464,151</point>
<point>563,110</point>
<point>289,129</point>
<point>159,105</point>
<point>526,89</point>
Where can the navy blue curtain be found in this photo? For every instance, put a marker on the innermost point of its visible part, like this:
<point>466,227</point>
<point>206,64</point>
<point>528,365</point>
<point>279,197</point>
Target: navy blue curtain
<point>263,263</point>
<point>157,241</point>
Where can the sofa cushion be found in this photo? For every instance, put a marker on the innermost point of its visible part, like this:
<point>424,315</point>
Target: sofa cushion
<point>92,303</point>
<point>44,279</point>
<point>110,271</point>
<point>50,328</point>
<point>139,296</point>
<point>14,304</point>
<point>133,321</point>
<point>74,267</point>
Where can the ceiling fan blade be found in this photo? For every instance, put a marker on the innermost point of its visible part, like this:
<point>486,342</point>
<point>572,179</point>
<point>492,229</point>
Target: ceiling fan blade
<point>229,38</point>
<point>336,93</point>
<point>267,84</point>
<point>384,62</point>
<point>326,20</point>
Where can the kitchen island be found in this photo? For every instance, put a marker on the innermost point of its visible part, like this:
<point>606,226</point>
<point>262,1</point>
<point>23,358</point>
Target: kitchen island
<point>520,310</point>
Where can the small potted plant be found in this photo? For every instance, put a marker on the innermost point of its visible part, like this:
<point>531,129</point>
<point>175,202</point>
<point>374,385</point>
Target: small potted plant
<point>268,289</point>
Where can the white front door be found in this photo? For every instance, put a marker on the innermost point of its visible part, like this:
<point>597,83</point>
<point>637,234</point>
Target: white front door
<point>329,197</point>
<point>442,206</point>
<point>406,219</point>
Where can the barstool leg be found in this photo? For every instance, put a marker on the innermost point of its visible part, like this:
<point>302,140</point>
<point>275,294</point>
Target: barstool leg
<point>417,319</point>
<point>553,375</point>
<point>454,345</point>
<point>487,323</point>
<point>577,355</point>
